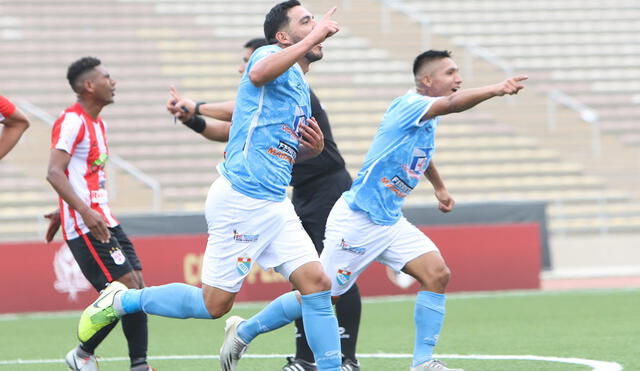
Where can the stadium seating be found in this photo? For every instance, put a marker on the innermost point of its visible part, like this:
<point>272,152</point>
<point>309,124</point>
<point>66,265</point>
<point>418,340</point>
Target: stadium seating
<point>148,45</point>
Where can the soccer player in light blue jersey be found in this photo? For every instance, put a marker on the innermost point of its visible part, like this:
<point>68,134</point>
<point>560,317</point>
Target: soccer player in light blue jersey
<point>366,224</point>
<point>249,218</point>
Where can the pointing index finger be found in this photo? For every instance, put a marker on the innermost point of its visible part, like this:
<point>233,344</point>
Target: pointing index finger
<point>330,13</point>
<point>521,78</point>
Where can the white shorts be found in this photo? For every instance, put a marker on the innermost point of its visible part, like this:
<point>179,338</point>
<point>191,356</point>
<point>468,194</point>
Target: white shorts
<point>245,230</point>
<point>353,241</point>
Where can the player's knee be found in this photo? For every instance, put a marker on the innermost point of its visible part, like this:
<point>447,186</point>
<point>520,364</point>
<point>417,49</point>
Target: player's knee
<point>320,282</point>
<point>217,306</point>
<point>218,309</point>
<point>442,276</point>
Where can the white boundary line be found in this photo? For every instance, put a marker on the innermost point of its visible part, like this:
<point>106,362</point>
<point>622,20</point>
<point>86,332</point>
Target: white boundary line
<point>594,364</point>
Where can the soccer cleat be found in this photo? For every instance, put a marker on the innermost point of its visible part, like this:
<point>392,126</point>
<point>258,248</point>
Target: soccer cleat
<point>434,364</point>
<point>100,313</point>
<point>77,363</point>
<point>298,364</point>
<point>232,346</point>
<point>349,365</point>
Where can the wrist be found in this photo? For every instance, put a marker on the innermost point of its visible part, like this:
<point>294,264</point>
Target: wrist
<point>196,123</point>
<point>197,108</point>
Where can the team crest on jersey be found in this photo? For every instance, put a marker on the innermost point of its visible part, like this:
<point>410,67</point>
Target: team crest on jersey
<point>343,276</point>
<point>418,163</point>
<point>117,256</point>
<point>243,266</point>
<point>300,118</point>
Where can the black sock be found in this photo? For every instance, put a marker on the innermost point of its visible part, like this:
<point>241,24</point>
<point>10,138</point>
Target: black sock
<point>348,310</point>
<point>90,345</point>
<point>302,347</point>
<point>134,327</point>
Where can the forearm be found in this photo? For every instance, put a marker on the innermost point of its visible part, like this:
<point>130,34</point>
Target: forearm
<point>433,175</point>
<point>465,99</point>
<point>269,68</point>
<point>14,126</point>
<point>9,137</point>
<point>217,131</point>
<point>222,111</point>
<point>61,185</point>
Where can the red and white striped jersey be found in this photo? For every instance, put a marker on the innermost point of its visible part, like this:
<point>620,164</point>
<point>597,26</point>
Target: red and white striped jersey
<point>84,138</point>
<point>6,108</point>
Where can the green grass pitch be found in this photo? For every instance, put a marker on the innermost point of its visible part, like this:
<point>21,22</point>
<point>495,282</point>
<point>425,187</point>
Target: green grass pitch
<point>601,325</point>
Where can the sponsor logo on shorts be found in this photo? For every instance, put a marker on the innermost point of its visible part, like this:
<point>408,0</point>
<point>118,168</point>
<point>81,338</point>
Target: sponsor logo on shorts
<point>117,256</point>
<point>284,151</point>
<point>343,276</point>
<point>243,266</point>
<point>344,245</point>
<point>397,186</point>
<point>244,237</point>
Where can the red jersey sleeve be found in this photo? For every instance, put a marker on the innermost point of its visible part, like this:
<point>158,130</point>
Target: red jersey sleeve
<point>6,108</point>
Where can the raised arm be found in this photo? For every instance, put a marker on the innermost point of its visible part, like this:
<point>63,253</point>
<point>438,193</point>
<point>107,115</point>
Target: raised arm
<point>465,99</point>
<point>274,65</point>
<point>14,126</point>
<point>445,201</point>
<point>188,111</point>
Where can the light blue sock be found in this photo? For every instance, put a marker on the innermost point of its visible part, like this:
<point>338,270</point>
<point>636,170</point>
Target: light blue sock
<point>283,310</point>
<point>321,328</point>
<point>176,300</point>
<point>428,316</point>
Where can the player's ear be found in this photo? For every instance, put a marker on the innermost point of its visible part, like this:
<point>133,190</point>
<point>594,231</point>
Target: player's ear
<point>426,80</point>
<point>87,85</point>
<point>283,38</point>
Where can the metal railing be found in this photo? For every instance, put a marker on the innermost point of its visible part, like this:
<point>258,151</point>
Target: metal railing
<point>114,159</point>
<point>554,97</point>
<point>472,52</point>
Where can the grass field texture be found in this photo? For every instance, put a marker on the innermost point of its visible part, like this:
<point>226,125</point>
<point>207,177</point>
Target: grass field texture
<point>600,325</point>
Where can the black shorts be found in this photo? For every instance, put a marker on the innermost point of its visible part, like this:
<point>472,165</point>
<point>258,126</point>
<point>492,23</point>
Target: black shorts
<point>314,200</point>
<point>102,263</point>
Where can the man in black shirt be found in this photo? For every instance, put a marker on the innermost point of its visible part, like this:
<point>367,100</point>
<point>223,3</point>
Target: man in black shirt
<point>317,184</point>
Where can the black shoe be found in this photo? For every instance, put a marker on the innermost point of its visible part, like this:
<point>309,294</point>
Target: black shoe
<point>349,365</point>
<point>297,364</point>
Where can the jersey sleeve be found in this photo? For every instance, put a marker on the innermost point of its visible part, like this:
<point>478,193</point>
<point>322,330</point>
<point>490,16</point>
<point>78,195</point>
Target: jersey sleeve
<point>6,108</point>
<point>414,108</point>
<point>68,131</point>
<point>260,54</point>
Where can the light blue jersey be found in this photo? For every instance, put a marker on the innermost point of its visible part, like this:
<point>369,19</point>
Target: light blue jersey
<point>399,155</point>
<point>263,140</point>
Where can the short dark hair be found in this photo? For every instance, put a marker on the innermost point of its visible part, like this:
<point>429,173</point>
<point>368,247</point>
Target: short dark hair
<point>79,67</point>
<point>254,44</point>
<point>427,57</point>
<point>277,18</point>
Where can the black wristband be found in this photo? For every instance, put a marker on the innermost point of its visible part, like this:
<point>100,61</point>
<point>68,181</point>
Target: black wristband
<point>196,123</point>
<point>197,109</point>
